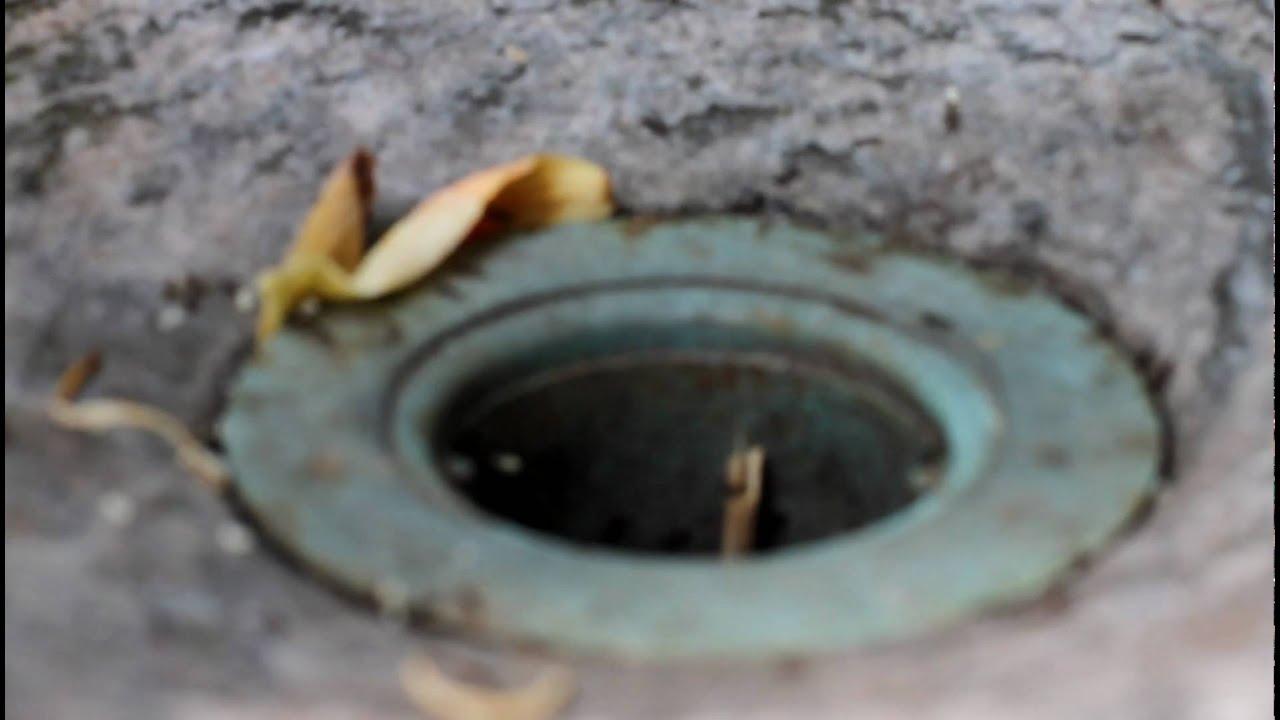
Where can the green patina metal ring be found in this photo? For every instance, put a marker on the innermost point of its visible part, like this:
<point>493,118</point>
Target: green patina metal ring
<point>644,353</point>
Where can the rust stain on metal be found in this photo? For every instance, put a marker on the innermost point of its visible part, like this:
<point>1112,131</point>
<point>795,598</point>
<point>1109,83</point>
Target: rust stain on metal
<point>775,323</point>
<point>1016,513</point>
<point>327,466</point>
<point>1138,442</point>
<point>637,227</point>
<point>856,262</point>
<point>1053,456</point>
<point>472,608</point>
<point>935,321</point>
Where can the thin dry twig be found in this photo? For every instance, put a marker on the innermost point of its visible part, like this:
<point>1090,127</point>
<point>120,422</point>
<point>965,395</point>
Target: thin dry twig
<point>108,414</point>
<point>744,475</point>
<point>440,696</point>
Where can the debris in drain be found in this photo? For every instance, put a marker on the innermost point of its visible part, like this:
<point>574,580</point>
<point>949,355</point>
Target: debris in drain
<point>327,259</point>
<point>744,475</point>
<point>924,478</point>
<point>102,415</point>
<point>460,468</point>
<point>440,696</point>
<point>508,463</point>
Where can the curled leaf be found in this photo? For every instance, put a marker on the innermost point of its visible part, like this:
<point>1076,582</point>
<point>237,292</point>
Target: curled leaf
<point>532,192</point>
<point>440,696</point>
<point>744,475</point>
<point>329,244</point>
<point>106,414</point>
<point>338,221</point>
<point>528,193</point>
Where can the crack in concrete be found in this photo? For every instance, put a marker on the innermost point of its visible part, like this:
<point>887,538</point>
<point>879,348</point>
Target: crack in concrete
<point>350,20</point>
<point>716,122</point>
<point>1240,289</point>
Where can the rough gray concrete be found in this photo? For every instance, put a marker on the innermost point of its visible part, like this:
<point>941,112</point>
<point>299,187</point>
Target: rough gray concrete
<point>1122,145</point>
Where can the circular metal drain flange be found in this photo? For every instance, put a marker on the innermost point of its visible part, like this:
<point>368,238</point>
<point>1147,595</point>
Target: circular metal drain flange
<point>450,447</point>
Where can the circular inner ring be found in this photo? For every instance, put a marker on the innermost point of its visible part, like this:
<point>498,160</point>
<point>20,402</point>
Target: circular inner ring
<point>604,440</point>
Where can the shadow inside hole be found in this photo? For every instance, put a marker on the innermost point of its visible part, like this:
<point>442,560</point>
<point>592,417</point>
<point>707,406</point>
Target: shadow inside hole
<point>626,449</point>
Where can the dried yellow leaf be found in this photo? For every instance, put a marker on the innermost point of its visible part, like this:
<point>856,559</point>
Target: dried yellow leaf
<point>532,192</point>
<point>106,414</point>
<point>338,221</point>
<point>440,696</point>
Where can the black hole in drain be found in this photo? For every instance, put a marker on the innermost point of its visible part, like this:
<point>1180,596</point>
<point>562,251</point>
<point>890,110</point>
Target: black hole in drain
<point>620,439</point>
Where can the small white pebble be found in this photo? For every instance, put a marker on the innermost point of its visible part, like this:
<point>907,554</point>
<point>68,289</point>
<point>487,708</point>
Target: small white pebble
<point>171,317</point>
<point>75,140</point>
<point>246,298</point>
<point>946,162</point>
<point>507,463</point>
<point>460,468</point>
<point>309,307</point>
<point>234,539</point>
<point>117,508</point>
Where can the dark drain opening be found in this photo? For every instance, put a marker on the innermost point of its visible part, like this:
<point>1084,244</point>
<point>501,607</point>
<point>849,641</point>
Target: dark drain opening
<point>626,447</point>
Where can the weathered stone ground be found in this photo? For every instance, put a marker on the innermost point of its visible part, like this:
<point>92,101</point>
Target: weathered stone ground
<point>1126,145</point>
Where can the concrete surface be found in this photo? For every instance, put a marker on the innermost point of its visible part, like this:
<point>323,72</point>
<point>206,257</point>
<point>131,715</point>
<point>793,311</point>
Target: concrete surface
<point>1120,145</point>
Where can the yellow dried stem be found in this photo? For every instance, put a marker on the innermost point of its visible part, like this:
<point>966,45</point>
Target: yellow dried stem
<point>440,696</point>
<point>103,415</point>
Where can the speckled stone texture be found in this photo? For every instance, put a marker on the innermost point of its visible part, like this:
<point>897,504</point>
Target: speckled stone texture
<point>1124,148</point>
